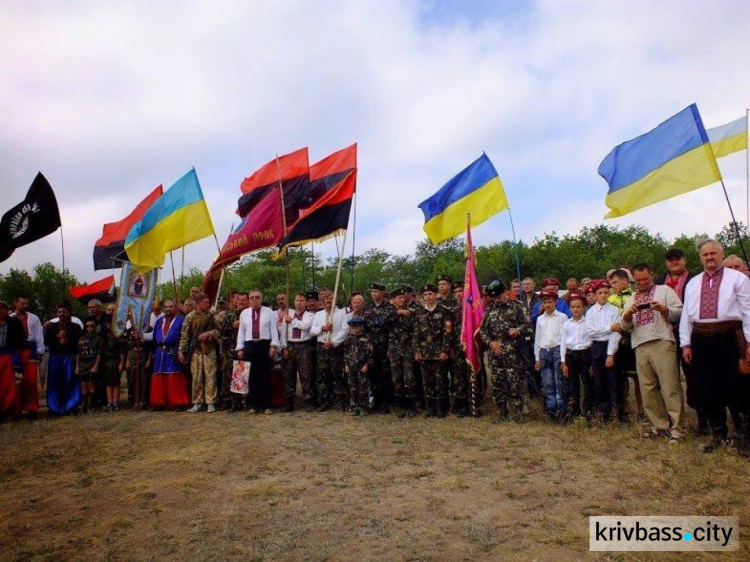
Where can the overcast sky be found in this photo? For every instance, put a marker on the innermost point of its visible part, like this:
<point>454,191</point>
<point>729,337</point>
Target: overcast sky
<point>110,99</point>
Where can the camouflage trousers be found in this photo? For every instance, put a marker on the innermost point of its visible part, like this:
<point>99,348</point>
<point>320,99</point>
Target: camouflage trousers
<point>227,366</point>
<point>380,374</point>
<point>459,377</point>
<point>329,377</point>
<point>507,374</point>
<point>203,369</point>
<point>299,360</point>
<point>139,378</point>
<point>434,379</point>
<point>401,359</point>
<point>359,387</point>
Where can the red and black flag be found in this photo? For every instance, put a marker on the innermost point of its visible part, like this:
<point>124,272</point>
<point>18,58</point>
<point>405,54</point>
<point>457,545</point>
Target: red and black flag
<point>292,170</point>
<point>104,290</point>
<point>109,250</point>
<point>33,218</point>
<point>333,182</point>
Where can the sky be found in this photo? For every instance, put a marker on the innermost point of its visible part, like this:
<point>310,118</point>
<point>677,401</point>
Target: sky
<point>111,99</point>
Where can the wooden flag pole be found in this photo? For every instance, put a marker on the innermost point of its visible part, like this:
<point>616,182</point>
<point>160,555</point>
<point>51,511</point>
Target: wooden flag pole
<point>182,273</point>
<point>174,282</point>
<point>515,244</point>
<point>734,222</point>
<point>336,284</point>
<point>283,221</point>
<point>472,375</point>
<point>354,242</point>
<point>62,244</point>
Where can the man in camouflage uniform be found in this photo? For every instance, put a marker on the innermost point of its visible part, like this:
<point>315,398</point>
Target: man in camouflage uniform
<point>503,324</point>
<point>459,367</point>
<point>410,302</point>
<point>401,356</point>
<point>446,299</point>
<point>297,346</point>
<point>199,349</point>
<point>358,359</point>
<point>226,319</point>
<point>137,363</point>
<point>432,335</point>
<point>379,318</point>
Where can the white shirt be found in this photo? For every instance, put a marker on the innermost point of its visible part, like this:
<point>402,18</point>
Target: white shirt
<point>548,331</point>
<point>286,330</point>
<point>339,331</point>
<point>268,327</point>
<point>575,337</point>
<point>36,334</point>
<point>599,319</point>
<point>734,303</point>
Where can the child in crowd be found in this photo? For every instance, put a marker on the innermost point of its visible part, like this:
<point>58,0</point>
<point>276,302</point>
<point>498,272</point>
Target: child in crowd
<point>90,351</point>
<point>599,321</point>
<point>575,356</point>
<point>358,359</point>
<point>547,354</point>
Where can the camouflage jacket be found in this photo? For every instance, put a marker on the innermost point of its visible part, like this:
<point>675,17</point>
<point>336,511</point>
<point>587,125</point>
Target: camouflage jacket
<point>378,321</point>
<point>499,318</point>
<point>433,330</point>
<point>357,352</point>
<point>402,331</point>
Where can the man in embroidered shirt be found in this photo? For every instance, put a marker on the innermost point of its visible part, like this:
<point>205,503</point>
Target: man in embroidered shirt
<point>715,318</point>
<point>297,351</point>
<point>31,353</point>
<point>547,355</point>
<point>648,314</point>
<point>331,329</point>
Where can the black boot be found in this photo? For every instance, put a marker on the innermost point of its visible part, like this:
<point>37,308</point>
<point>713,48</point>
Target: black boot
<point>289,406</point>
<point>85,403</point>
<point>429,408</point>
<point>441,409</point>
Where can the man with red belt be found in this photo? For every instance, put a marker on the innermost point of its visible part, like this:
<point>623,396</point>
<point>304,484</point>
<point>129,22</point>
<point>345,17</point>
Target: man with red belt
<point>714,329</point>
<point>31,352</point>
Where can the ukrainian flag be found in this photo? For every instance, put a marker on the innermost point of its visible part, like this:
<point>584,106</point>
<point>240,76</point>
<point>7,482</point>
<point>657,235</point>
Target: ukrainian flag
<point>178,217</point>
<point>476,190</point>
<point>674,158</point>
<point>729,138</point>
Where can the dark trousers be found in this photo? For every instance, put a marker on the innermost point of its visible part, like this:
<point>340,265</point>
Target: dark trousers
<point>259,381</point>
<point>606,383</point>
<point>533,381</point>
<point>579,367</point>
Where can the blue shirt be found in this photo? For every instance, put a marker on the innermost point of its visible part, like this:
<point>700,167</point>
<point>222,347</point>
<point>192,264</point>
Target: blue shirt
<point>561,305</point>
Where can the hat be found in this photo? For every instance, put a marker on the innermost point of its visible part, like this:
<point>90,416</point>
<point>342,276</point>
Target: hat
<point>589,290</point>
<point>586,281</point>
<point>377,287</point>
<point>397,292</point>
<point>356,321</point>
<point>495,288</point>
<point>311,295</point>
<point>429,287</point>
<point>550,281</point>
<point>573,296</point>
<point>457,285</point>
<point>222,300</point>
<point>674,253</point>
<point>597,284</point>
<point>444,277</point>
<point>408,289</point>
<point>548,295</point>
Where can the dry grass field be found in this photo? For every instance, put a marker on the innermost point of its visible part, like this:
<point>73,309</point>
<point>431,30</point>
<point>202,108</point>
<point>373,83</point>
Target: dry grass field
<point>180,486</point>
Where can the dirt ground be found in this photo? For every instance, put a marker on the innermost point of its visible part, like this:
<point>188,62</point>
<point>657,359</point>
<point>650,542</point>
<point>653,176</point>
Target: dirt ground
<point>326,486</point>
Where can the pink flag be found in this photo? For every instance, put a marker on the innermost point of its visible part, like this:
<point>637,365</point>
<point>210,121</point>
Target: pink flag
<point>473,310</point>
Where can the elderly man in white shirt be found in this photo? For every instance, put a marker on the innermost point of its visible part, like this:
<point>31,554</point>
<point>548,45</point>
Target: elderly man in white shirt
<point>31,354</point>
<point>297,347</point>
<point>258,342</point>
<point>714,331</point>
<point>330,327</point>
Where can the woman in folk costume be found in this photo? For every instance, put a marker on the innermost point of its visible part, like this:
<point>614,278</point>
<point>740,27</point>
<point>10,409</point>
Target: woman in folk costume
<point>61,338</point>
<point>169,385</point>
<point>12,339</point>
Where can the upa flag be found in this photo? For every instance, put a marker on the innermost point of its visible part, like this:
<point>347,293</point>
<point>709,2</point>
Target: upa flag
<point>104,290</point>
<point>178,217</point>
<point>33,218</point>
<point>292,171</point>
<point>672,159</point>
<point>109,250</point>
<point>473,310</point>
<point>729,138</point>
<point>333,182</point>
<point>476,190</point>
<point>135,300</point>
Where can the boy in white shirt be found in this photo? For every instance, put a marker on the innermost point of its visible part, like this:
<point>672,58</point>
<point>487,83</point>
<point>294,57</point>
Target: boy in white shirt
<point>575,356</point>
<point>547,354</point>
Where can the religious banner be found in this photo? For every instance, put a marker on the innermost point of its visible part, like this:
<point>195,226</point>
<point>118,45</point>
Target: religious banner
<point>136,298</point>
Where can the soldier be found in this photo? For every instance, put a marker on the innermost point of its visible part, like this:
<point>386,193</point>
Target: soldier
<point>445,289</point>
<point>503,324</point>
<point>401,356</point>
<point>90,352</point>
<point>330,327</point>
<point>137,363</point>
<point>226,317</point>
<point>358,359</point>
<point>432,335</point>
<point>379,318</point>
<point>297,353</point>
<point>198,348</point>
<point>459,369</point>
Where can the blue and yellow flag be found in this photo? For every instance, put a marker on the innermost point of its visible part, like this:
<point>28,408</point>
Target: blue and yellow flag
<point>476,190</point>
<point>178,217</point>
<point>729,138</point>
<point>674,158</point>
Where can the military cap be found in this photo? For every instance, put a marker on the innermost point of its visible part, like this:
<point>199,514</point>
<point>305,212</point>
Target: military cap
<point>377,287</point>
<point>356,321</point>
<point>597,284</point>
<point>548,295</point>
<point>408,289</point>
<point>550,281</point>
<point>573,296</point>
<point>495,288</point>
<point>397,292</point>
<point>355,294</point>
<point>311,295</point>
<point>674,253</point>
<point>444,277</point>
<point>429,287</point>
<point>457,285</point>
<point>223,300</point>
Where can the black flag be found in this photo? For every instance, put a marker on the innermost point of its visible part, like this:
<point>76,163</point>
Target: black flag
<point>33,218</point>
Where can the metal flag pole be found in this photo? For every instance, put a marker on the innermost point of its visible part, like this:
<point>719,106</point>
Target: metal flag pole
<point>515,244</point>
<point>354,242</point>
<point>472,375</point>
<point>734,222</point>
<point>174,281</point>
<point>62,244</point>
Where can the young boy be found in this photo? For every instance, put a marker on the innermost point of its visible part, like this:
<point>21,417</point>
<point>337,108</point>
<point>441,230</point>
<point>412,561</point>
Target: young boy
<point>358,359</point>
<point>90,350</point>
<point>547,354</point>
<point>575,356</point>
<point>599,321</point>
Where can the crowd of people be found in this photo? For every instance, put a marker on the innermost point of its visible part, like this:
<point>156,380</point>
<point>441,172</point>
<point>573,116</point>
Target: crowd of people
<point>577,351</point>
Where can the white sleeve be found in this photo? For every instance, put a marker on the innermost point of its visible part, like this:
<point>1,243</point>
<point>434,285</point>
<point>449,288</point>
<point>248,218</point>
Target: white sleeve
<point>273,324</point>
<point>241,331</point>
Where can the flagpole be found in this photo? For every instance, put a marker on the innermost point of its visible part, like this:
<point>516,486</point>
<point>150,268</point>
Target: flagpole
<point>747,173</point>
<point>473,375</point>
<point>354,242</point>
<point>312,264</point>
<point>283,221</point>
<point>62,244</point>
<point>734,222</point>
<point>515,244</point>
<point>174,282</point>
<point>182,273</point>
<point>336,284</point>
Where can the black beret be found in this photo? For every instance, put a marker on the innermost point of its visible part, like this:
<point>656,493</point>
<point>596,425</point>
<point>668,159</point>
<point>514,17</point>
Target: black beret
<point>397,292</point>
<point>445,278</point>
<point>311,295</point>
<point>356,321</point>
<point>458,285</point>
<point>429,287</point>
<point>674,253</point>
<point>377,286</point>
<point>495,288</point>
